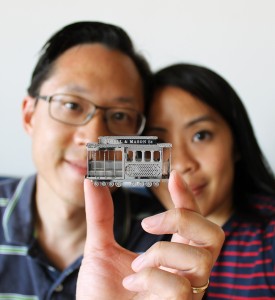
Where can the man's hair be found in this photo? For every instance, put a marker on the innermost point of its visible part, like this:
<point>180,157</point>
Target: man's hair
<point>86,32</point>
<point>252,173</point>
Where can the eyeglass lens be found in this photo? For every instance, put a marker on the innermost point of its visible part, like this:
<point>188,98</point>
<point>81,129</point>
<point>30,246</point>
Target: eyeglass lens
<point>77,111</point>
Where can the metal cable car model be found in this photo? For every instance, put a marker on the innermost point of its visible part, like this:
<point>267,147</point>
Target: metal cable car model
<point>138,160</point>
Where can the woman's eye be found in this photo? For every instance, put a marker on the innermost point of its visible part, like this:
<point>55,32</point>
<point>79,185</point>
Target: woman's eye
<point>201,136</point>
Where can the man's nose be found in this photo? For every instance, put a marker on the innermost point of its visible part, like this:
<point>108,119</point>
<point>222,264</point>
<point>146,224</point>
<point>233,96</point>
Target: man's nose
<point>92,130</point>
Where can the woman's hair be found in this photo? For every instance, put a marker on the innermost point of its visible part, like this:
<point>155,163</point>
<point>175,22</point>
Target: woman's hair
<point>252,173</point>
<point>110,36</point>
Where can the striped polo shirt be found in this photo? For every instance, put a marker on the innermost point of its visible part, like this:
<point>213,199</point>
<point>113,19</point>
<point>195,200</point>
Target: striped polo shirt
<point>245,268</point>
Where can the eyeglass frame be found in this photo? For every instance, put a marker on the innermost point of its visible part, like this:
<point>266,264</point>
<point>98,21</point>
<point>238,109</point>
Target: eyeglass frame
<point>90,116</point>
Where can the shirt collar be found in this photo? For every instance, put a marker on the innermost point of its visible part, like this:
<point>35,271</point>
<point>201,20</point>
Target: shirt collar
<point>18,216</point>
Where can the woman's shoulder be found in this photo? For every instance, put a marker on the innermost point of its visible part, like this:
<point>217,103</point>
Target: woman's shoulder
<point>264,205</point>
<point>257,211</point>
<point>255,206</point>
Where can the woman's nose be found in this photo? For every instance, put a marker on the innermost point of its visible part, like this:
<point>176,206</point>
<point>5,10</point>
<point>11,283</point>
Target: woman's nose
<point>183,160</point>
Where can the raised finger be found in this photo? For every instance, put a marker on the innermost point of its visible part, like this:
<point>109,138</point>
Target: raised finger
<point>191,262</point>
<point>190,227</point>
<point>99,215</point>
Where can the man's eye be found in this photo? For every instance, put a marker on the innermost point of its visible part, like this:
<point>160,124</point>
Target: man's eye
<point>71,105</point>
<point>120,116</point>
<point>201,136</point>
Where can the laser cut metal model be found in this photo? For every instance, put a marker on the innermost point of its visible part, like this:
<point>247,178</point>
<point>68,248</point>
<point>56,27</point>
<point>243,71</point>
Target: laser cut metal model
<point>138,160</point>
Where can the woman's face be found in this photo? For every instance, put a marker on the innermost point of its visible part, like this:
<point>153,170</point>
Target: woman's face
<point>202,149</point>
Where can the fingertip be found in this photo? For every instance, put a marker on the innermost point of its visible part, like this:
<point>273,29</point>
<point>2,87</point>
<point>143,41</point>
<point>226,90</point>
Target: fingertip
<point>176,179</point>
<point>181,195</point>
<point>86,181</point>
<point>87,185</point>
<point>137,262</point>
<point>127,282</point>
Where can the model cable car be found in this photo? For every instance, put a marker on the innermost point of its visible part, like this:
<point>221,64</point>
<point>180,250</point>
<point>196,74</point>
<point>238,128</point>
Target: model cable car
<point>138,160</point>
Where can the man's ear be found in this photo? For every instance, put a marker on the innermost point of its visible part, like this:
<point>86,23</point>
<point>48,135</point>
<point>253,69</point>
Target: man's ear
<point>28,108</point>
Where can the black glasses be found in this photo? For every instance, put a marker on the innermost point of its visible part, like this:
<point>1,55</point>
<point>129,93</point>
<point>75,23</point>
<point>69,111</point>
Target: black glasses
<point>77,111</point>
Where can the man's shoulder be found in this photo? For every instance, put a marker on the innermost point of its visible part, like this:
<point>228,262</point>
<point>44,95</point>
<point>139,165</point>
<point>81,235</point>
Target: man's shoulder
<point>139,200</point>
<point>143,201</point>
<point>8,186</point>
<point>15,188</point>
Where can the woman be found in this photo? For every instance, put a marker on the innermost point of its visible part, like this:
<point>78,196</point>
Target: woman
<point>217,155</point>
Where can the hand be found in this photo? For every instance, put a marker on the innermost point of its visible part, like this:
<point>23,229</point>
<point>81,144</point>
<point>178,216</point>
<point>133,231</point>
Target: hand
<point>105,263</point>
<point>167,270</point>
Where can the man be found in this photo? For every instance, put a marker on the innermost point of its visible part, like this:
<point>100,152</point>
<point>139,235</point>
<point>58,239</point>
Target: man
<point>86,64</point>
<point>87,79</point>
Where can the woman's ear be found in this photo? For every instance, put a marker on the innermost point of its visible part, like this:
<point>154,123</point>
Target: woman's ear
<point>28,108</point>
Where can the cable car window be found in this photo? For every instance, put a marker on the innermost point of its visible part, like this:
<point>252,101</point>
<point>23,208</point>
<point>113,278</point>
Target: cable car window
<point>138,155</point>
<point>130,155</point>
<point>147,155</point>
<point>156,156</point>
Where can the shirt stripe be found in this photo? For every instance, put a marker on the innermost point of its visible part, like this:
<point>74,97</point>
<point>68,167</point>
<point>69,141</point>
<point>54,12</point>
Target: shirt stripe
<point>4,202</point>
<point>17,297</point>
<point>11,206</point>
<point>13,250</point>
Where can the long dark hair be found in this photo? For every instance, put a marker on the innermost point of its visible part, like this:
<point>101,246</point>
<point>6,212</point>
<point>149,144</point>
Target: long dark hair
<point>253,174</point>
<point>87,32</point>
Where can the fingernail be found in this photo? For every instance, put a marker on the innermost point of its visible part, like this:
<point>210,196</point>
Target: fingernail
<point>151,222</point>
<point>129,280</point>
<point>136,264</point>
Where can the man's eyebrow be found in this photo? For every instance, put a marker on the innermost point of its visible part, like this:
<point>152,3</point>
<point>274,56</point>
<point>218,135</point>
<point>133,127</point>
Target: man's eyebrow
<point>124,99</point>
<point>74,88</point>
<point>154,128</point>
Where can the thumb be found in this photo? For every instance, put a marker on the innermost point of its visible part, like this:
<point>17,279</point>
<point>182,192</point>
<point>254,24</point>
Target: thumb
<point>180,193</point>
<point>182,198</point>
<point>99,216</point>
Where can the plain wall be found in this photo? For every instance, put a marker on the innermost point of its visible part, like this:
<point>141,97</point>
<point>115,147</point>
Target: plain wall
<point>235,38</point>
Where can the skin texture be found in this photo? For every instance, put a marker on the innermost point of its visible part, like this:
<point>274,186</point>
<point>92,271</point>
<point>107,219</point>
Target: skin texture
<point>202,153</point>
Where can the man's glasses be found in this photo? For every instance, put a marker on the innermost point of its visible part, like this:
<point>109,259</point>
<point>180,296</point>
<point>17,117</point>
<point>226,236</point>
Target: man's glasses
<point>77,111</point>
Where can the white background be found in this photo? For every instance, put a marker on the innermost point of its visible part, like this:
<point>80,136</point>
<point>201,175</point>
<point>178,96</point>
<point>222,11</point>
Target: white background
<point>236,38</point>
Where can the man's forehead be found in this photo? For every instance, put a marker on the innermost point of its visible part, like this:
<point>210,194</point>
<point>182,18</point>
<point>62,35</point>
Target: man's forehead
<point>93,52</point>
<point>109,80</point>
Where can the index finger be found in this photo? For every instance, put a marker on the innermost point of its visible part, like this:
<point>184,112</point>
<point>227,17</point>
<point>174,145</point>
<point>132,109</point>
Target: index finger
<point>99,215</point>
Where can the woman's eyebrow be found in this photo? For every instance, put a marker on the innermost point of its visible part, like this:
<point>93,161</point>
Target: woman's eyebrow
<point>205,118</point>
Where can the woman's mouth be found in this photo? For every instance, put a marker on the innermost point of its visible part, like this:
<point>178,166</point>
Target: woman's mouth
<point>197,189</point>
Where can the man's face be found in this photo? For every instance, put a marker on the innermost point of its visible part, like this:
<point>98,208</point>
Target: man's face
<point>93,72</point>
